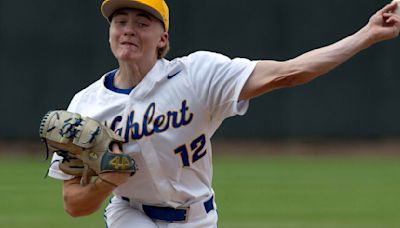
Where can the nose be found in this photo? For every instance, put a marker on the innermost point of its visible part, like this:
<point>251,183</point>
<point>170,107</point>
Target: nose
<point>129,30</point>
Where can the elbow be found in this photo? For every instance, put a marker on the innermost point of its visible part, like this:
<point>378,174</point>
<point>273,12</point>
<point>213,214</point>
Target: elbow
<point>293,80</point>
<point>73,213</point>
<point>72,210</point>
<point>76,210</point>
<point>295,74</point>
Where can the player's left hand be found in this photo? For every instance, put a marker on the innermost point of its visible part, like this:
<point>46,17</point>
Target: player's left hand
<point>384,24</point>
<point>84,145</point>
<point>115,178</point>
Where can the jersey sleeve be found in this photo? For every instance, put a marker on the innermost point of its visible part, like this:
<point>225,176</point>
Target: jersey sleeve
<point>218,80</point>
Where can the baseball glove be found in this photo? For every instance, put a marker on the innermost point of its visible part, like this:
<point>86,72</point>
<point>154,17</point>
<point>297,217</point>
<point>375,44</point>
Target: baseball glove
<point>84,145</point>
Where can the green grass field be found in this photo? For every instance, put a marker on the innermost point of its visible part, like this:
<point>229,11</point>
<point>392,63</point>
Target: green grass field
<point>255,191</point>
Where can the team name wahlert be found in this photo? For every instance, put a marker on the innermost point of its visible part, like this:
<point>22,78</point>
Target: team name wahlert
<point>152,124</point>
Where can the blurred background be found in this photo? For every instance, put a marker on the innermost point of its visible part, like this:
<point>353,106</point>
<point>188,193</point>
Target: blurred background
<point>50,50</point>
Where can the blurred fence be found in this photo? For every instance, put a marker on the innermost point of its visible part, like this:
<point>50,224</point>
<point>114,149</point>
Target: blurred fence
<point>49,50</point>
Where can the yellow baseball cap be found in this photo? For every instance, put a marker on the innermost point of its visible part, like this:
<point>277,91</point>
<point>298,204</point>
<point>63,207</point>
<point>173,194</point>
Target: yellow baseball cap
<point>157,8</point>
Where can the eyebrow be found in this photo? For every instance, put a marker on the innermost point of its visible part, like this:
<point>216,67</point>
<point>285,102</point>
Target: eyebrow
<point>145,15</point>
<point>139,14</point>
<point>119,12</point>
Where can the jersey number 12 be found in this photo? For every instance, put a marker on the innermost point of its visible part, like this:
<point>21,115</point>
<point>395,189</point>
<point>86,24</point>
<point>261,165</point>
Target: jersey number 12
<point>196,148</point>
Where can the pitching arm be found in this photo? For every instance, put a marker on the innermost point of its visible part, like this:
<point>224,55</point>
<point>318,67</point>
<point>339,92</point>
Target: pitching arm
<point>270,75</point>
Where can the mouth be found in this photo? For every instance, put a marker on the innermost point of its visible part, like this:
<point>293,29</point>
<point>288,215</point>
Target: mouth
<point>128,43</point>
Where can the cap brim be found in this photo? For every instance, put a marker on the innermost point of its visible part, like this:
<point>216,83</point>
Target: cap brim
<point>109,7</point>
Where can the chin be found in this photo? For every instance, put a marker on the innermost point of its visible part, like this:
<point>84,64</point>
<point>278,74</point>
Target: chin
<point>128,57</point>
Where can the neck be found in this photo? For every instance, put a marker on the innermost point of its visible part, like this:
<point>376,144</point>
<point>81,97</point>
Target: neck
<point>131,74</point>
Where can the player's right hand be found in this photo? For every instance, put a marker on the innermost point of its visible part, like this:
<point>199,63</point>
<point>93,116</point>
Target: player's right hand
<point>384,24</point>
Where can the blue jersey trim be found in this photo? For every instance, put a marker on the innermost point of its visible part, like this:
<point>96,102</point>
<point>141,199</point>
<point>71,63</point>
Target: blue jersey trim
<point>108,83</point>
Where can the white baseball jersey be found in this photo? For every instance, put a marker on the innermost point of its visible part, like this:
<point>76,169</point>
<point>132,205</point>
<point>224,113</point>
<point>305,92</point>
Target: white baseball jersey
<point>167,121</point>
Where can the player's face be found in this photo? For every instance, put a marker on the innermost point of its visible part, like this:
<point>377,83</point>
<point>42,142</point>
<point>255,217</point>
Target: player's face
<point>136,35</point>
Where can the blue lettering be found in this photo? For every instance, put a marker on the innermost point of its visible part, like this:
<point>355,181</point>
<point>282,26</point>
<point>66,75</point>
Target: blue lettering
<point>132,129</point>
<point>159,122</point>
<point>115,122</point>
<point>174,116</point>
<point>147,119</point>
<point>153,123</point>
<point>183,111</point>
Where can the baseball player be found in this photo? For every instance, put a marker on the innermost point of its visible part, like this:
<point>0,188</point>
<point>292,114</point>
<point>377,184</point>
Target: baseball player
<point>167,112</point>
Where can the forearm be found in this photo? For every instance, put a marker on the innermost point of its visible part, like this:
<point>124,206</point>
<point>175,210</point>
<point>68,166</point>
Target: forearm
<point>269,75</point>
<point>84,200</point>
<point>320,61</point>
<point>383,25</point>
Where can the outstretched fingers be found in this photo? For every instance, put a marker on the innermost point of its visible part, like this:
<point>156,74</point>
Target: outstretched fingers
<point>392,19</point>
<point>389,8</point>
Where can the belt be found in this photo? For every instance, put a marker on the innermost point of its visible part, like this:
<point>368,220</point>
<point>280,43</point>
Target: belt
<point>170,214</point>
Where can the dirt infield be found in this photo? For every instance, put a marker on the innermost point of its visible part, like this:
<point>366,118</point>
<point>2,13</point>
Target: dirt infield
<point>255,147</point>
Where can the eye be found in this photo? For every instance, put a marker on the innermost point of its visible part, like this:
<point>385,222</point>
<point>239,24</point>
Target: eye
<point>142,24</point>
<point>121,22</point>
<point>120,19</point>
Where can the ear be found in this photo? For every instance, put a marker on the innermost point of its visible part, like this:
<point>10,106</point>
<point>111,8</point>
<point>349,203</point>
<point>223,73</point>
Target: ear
<point>163,40</point>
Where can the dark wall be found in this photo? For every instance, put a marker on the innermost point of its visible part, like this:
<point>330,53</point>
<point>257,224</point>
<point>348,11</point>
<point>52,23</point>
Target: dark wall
<point>49,50</point>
